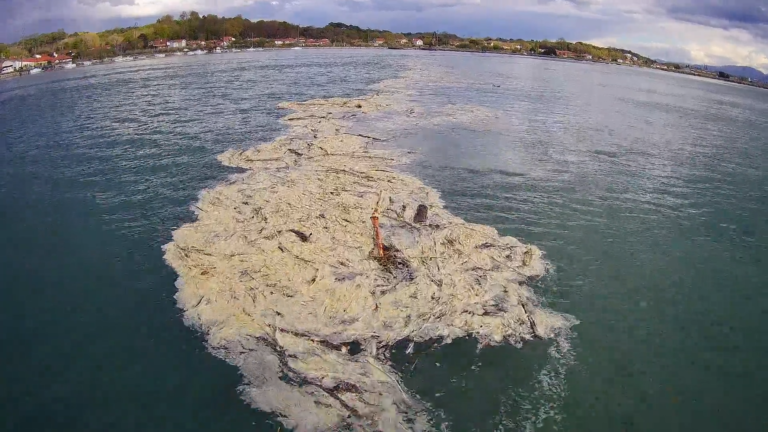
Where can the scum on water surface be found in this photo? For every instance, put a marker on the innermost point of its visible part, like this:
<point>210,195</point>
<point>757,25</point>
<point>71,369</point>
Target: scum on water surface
<point>279,273</point>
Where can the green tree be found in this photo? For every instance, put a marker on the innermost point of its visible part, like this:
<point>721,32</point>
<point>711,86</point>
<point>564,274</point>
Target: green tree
<point>142,41</point>
<point>90,40</point>
<point>162,31</point>
<point>114,40</point>
<point>129,41</point>
<point>234,26</point>
<point>165,19</point>
<point>17,51</point>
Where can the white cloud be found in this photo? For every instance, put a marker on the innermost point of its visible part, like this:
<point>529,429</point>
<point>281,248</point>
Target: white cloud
<point>689,42</point>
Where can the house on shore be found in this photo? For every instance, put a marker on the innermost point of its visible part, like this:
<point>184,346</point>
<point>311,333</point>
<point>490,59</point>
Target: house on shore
<point>159,43</point>
<point>286,41</point>
<point>379,41</point>
<point>177,43</point>
<point>44,60</point>
<point>565,54</point>
<point>403,41</point>
<point>418,42</point>
<point>317,42</point>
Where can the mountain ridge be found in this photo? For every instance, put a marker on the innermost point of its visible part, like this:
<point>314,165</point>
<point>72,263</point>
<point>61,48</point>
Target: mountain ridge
<point>739,71</point>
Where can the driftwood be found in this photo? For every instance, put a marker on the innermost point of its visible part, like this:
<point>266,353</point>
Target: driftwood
<point>303,237</point>
<point>421,214</point>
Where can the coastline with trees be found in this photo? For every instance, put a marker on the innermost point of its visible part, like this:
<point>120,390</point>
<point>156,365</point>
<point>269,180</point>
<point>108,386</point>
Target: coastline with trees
<point>207,31</point>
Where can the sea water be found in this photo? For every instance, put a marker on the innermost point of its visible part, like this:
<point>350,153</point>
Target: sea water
<point>647,192</point>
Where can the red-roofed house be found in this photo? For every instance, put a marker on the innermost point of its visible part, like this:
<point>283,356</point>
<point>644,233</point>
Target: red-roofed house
<point>159,43</point>
<point>44,60</point>
<point>379,41</point>
<point>418,42</point>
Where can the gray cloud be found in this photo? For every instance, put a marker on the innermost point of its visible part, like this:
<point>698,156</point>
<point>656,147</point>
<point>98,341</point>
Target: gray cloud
<point>400,5</point>
<point>748,12</point>
<point>109,2</point>
<point>749,15</point>
<point>582,3</point>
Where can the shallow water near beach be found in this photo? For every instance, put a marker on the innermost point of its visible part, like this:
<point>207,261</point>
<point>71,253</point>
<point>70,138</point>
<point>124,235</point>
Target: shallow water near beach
<point>646,191</point>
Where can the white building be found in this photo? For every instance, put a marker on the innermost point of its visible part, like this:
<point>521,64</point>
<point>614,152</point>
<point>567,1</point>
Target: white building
<point>418,42</point>
<point>178,43</point>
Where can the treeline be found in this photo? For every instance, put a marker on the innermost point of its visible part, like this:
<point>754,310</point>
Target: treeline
<point>193,26</point>
<point>546,47</point>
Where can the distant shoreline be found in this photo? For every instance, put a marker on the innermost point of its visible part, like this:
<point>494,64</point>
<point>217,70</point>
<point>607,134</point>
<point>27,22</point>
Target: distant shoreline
<point>688,72</point>
<point>109,60</point>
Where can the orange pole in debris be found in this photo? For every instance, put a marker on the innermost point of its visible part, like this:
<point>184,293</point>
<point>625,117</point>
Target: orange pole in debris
<point>377,234</point>
<point>376,231</point>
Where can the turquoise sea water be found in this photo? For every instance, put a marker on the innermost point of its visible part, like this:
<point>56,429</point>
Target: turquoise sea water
<point>647,191</point>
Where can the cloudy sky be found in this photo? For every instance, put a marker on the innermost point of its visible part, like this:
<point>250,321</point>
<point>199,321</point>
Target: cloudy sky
<point>714,32</point>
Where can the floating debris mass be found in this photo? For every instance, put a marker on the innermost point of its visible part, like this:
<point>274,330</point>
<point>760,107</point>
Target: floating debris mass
<point>280,272</point>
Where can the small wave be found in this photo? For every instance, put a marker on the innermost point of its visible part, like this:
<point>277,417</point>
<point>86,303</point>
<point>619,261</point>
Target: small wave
<point>606,153</point>
<point>542,405</point>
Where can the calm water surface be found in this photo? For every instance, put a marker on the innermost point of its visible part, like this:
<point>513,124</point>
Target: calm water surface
<point>648,192</point>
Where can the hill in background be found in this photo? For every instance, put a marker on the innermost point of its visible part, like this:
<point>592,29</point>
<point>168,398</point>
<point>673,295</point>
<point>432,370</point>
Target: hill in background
<point>739,71</point>
<point>195,27</point>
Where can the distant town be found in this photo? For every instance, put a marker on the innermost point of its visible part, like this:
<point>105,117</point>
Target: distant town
<point>193,34</point>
